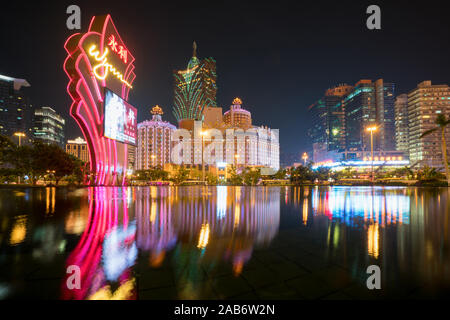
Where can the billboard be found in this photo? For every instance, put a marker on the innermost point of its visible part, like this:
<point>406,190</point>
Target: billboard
<point>119,119</point>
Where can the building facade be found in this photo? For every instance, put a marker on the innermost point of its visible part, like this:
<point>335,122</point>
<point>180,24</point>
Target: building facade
<point>78,148</point>
<point>15,107</point>
<point>195,88</point>
<point>154,141</point>
<point>237,117</point>
<point>48,126</point>
<point>401,123</point>
<point>425,103</point>
<point>327,130</point>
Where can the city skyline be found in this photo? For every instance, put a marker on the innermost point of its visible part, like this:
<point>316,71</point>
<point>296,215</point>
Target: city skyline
<point>281,68</point>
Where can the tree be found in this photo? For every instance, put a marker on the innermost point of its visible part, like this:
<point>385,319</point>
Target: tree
<point>280,174</point>
<point>211,179</point>
<point>251,176</point>
<point>301,173</point>
<point>181,175</point>
<point>428,174</point>
<point>441,123</point>
<point>233,177</point>
<point>51,159</point>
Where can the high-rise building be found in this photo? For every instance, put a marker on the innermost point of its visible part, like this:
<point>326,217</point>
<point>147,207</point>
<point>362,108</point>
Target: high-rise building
<point>327,130</point>
<point>385,114</point>
<point>370,103</point>
<point>195,89</point>
<point>401,123</point>
<point>340,118</point>
<point>48,126</point>
<point>78,148</point>
<point>154,141</point>
<point>15,107</point>
<point>425,103</point>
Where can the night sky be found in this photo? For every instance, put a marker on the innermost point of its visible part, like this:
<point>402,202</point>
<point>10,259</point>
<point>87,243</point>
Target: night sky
<point>279,57</point>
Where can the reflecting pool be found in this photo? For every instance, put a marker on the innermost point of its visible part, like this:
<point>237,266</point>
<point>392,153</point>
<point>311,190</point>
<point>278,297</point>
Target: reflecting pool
<point>223,242</point>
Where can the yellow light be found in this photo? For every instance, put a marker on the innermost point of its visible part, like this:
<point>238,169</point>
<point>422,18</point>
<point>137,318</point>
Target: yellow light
<point>371,129</point>
<point>19,134</point>
<point>204,237</point>
<point>104,63</point>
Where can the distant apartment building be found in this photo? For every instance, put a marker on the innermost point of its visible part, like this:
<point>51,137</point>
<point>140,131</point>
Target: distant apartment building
<point>425,103</point>
<point>48,126</point>
<point>78,148</point>
<point>15,108</point>
<point>401,124</point>
<point>154,141</point>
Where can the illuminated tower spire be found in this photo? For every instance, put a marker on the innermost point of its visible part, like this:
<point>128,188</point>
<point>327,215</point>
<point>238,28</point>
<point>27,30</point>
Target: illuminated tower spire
<point>194,46</point>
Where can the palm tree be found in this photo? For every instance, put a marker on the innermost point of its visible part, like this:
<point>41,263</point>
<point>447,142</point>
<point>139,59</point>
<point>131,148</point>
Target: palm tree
<point>441,122</point>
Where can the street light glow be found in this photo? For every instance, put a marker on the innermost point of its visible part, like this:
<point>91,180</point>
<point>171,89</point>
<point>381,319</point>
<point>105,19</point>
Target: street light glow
<point>371,129</point>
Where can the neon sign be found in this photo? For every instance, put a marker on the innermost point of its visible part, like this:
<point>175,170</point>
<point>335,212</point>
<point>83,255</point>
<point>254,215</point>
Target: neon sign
<point>91,67</point>
<point>118,48</point>
<point>104,63</point>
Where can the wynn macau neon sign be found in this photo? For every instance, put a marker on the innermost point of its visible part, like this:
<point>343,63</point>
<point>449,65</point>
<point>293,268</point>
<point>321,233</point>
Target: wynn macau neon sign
<point>99,61</point>
<point>103,59</point>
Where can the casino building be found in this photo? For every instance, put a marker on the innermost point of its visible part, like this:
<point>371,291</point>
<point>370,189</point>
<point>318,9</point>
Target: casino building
<point>195,89</point>
<point>154,141</point>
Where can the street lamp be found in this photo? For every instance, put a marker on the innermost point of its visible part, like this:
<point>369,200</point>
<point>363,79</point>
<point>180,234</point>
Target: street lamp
<point>371,130</point>
<point>305,157</point>
<point>153,160</point>
<point>20,135</point>
<point>203,133</point>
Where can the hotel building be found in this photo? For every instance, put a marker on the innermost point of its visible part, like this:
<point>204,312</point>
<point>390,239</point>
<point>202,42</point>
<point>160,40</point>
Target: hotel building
<point>195,89</point>
<point>78,148</point>
<point>154,141</point>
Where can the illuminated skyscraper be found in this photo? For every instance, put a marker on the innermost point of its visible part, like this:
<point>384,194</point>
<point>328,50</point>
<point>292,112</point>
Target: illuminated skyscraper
<point>154,141</point>
<point>425,103</point>
<point>327,130</point>
<point>195,88</point>
<point>48,126</point>
<point>15,109</point>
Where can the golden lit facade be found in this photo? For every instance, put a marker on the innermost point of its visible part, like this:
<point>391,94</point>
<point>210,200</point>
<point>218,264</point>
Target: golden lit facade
<point>154,141</point>
<point>78,148</point>
<point>237,117</point>
<point>425,103</point>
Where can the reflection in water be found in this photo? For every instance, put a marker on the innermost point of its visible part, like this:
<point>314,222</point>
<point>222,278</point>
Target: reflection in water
<point>19,230</point>
<point>405,230</point>
<point>106,251</point>
<point>204,227</point>
<point>125,238</point>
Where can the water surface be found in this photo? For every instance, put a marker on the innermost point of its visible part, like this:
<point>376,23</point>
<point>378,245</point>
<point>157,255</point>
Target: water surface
<point>224,242</point>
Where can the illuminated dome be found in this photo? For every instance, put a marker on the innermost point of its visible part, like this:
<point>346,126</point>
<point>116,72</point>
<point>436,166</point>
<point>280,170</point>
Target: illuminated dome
<point>157,110</point>
<point>237,117</point>
<point>237,101</point>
